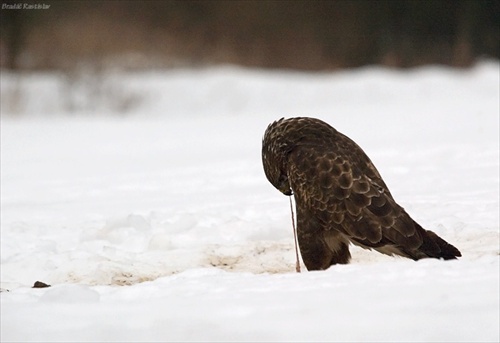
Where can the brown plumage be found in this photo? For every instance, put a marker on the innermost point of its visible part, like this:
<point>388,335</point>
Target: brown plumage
<point>340,197</point>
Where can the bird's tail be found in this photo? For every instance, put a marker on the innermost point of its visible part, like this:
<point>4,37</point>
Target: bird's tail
<point>436,247</point>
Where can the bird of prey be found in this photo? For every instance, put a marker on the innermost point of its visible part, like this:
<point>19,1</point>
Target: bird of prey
<point>340,197</point>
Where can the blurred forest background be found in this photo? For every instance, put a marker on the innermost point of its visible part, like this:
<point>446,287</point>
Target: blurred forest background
<point>306,35</point>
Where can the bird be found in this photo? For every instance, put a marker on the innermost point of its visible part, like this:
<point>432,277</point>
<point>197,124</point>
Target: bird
<point>340,197</point>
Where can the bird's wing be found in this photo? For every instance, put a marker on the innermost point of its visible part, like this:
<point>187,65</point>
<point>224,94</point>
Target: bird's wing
<point>345,192</point>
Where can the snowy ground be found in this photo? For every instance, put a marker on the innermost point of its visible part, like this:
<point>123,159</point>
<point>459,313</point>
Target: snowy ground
<point>158,224</point>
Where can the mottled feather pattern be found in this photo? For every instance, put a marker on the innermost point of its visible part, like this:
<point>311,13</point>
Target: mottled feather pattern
<point>340,196</point>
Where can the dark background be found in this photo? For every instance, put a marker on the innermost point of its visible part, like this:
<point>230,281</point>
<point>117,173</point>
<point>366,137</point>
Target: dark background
<point>308,35</point>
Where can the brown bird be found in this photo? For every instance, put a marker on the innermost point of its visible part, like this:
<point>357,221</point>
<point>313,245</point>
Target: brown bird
<point>340,197</point>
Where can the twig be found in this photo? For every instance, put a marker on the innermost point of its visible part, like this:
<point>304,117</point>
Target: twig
<point>297,263</point>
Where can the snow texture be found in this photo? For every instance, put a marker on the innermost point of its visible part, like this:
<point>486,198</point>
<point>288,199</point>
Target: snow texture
<point>159,224</point>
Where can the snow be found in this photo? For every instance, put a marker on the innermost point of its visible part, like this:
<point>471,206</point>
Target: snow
<point>141,199</point>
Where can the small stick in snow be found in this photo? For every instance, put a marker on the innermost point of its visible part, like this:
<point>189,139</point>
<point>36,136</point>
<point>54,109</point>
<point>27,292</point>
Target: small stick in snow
<point>297,263</point>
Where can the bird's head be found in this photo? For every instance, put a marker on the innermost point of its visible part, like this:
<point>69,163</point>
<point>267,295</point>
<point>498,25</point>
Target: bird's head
<point>275,150</point>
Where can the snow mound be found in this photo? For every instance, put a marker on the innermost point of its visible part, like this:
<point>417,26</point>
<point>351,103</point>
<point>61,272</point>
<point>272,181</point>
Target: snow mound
<point>171,202</point>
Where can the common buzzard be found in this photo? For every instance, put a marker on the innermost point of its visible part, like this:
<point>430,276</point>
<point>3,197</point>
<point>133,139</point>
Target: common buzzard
<point>340,197</point>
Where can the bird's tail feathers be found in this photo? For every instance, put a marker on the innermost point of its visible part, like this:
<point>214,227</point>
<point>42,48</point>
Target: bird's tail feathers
<point>436,247</point>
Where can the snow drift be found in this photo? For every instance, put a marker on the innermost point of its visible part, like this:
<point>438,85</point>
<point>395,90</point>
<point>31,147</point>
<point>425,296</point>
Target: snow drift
<point>170,202</point>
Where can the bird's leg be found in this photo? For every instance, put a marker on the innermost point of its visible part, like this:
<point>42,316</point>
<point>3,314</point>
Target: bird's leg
<point>316,254</point>
<point>338,245</point>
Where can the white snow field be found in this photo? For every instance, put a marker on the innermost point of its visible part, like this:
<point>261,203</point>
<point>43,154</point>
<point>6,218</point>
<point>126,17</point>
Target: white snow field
<point>142,200</point>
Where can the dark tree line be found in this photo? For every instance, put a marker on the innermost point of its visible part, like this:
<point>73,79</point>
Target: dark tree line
<point>276,34</point>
